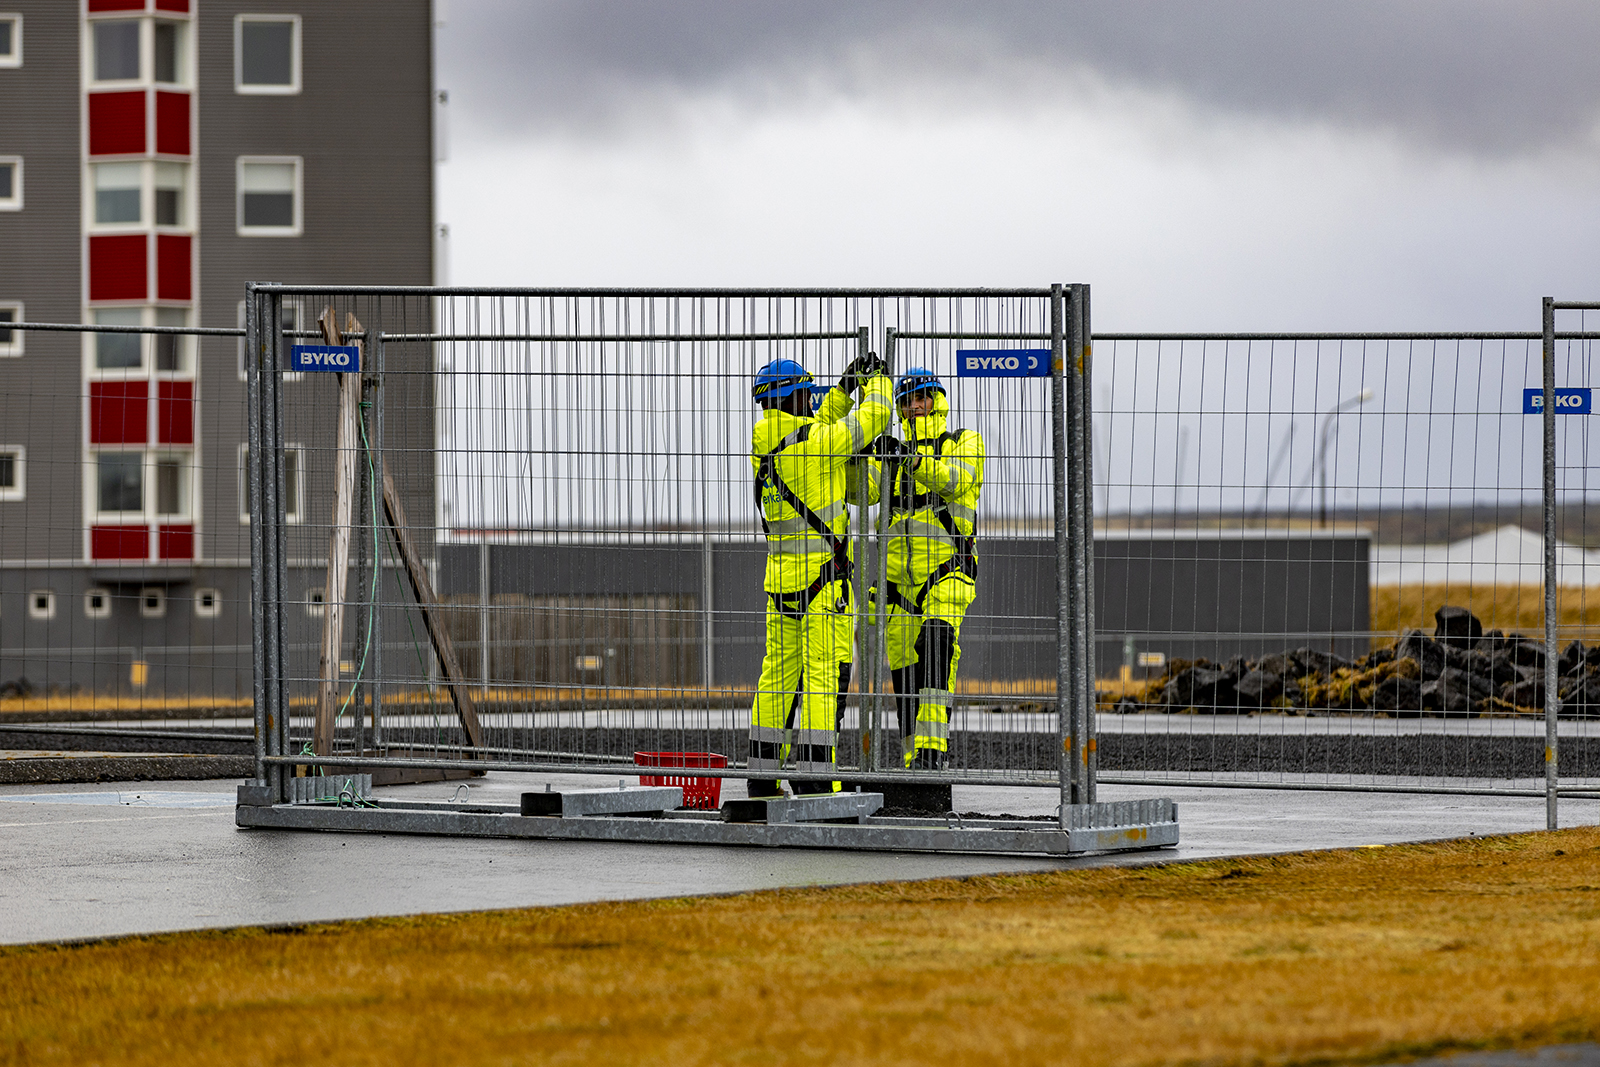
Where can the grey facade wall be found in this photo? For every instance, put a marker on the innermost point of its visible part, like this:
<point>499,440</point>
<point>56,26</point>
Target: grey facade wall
<point>362,124</point>
<point>41,406</point>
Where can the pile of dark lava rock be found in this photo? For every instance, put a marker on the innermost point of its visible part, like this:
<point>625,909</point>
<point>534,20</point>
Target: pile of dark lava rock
<point>1460,670</point>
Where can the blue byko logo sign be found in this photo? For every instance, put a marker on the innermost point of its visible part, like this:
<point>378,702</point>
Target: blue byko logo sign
<point>1568,401</point>
<point>1003,363</point>
<point>345,359</point>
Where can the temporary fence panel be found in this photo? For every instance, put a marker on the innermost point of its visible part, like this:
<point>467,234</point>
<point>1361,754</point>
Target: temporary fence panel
<point>554,558</point>
<point>1319,562</point>
<point>1567,680</point>
<point>124,556</point>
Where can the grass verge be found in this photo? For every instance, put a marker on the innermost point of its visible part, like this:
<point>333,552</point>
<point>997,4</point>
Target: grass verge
<point>1346,956</point>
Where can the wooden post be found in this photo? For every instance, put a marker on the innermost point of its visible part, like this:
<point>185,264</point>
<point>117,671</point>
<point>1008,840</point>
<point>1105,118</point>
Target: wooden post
<point>432,617</point>
<point>347,453</point>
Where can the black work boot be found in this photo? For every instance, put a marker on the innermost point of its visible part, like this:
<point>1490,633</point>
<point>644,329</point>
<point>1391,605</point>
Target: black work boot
<point>930,759</point>
<point>762,788</point>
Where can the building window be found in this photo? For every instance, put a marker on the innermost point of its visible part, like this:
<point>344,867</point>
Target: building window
<point>119,483</point>
<point>116,50</point>
<point>153,602</point>
<point>97,604</point>
<point>10,340</point>
<point>171,52</point>
<point>266,53</point>
<point>171,199</point>
<point>207,603</point>
<point>10,40</point>
<point>290,325</point>
<point>269,196</point>
<point>118,351</point>
<point>316,602</point>
<point>41,604</point>
<point>293,490</point>
<point>13,472</point>
<point>172,349</point>
<point>10,183</point>
<point>118,193</point>
<point>172,487</point>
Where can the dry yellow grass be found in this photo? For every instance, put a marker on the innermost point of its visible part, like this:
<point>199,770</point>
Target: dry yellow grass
<point>1332,957</point>
<point>1512,608</point>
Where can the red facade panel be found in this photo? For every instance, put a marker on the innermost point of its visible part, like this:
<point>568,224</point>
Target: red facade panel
<point>116,5</point>
<point>118,267</point>
<point>119,542</point>
<point>118,413</point>
<point>173,263</point>
<point>172,5</point>
<point>116,123</point>
<point>175,542</point>
<point>172,123</point>
<point>175,413</point>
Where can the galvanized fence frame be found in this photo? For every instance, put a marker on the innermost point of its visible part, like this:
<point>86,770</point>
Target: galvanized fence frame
<point>1072,522</point>
<point>1108,366</point>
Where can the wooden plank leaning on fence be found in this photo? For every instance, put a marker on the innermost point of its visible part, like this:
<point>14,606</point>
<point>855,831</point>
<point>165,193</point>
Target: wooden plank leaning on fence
<point>432,615</point>
<point>347,453</point>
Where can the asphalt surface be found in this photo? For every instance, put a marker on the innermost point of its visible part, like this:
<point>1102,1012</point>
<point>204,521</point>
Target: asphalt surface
<point>107,859</point>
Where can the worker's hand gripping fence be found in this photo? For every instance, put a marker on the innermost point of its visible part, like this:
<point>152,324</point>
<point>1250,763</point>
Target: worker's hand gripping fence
<point>533,544</point>
<point>1320,562</point>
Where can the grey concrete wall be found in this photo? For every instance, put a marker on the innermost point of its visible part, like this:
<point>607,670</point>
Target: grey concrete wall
<point>40,255</point>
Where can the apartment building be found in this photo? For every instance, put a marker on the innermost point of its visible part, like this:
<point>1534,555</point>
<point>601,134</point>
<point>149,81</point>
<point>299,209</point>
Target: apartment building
<point>154,156</point>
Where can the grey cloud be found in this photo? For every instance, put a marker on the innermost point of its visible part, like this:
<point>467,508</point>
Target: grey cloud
<point>1490,77</point>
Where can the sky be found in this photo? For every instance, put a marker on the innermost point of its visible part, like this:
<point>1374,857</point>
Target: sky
<point>1203,164</point>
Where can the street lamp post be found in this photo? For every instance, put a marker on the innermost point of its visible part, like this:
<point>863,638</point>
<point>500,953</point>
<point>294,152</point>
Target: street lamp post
<point>1322,448</point>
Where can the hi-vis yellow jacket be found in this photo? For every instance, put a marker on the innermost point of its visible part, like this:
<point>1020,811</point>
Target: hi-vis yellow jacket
<point>815,466</point>
<point>948,479</point>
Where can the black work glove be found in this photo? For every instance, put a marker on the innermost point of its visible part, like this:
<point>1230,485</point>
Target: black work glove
<point>860,369</point>
<point>893,450</point>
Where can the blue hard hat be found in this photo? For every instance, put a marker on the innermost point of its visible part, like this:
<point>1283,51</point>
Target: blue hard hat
<point>778,379</point>
<point>916,380</point>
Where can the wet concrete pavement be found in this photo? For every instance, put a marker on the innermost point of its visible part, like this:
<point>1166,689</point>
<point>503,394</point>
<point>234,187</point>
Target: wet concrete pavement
<point>102,860</point>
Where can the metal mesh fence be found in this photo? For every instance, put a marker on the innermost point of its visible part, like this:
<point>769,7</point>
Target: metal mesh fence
<point>124,563</point>
<point>1321,563</point>
<point>574,572</point>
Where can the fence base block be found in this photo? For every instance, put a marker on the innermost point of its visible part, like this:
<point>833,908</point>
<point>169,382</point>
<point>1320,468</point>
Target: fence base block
<point>1094,829</point>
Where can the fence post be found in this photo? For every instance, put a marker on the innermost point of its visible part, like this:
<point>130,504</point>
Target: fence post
<point>274,512</point>
<point>265,727</point>
<point>1552,702</point>
<point>1066,741</point>
<point>1082,505</point>
<point>881,578</point>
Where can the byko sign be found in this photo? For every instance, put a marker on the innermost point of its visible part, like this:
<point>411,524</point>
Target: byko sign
<point>344,359</point>
<point>1568,401</point>
<point>1003,363</point>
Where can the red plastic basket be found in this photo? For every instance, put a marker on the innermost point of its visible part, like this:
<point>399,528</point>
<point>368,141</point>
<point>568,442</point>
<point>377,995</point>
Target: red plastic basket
<point>704,794</point>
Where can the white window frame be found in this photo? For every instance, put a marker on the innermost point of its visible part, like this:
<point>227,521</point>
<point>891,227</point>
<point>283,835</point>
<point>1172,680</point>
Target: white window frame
<point>239,85</point>
<point>92,369</point>
<point>294,515</point>
<point>92,486</point>
<point>204,611</point>
<point>184,458</point>
<point>317,601</point>
<point>19,491</point>
<point>41,613</point>
<point>14,201</point>
<point>299,324</point>
<point>15,346</point>
<point>153,602</point>
<point>296,228</point>
<point>14,57</point>
<point>92,612</point>
<point>146,50</point>
<point>185,57</point>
